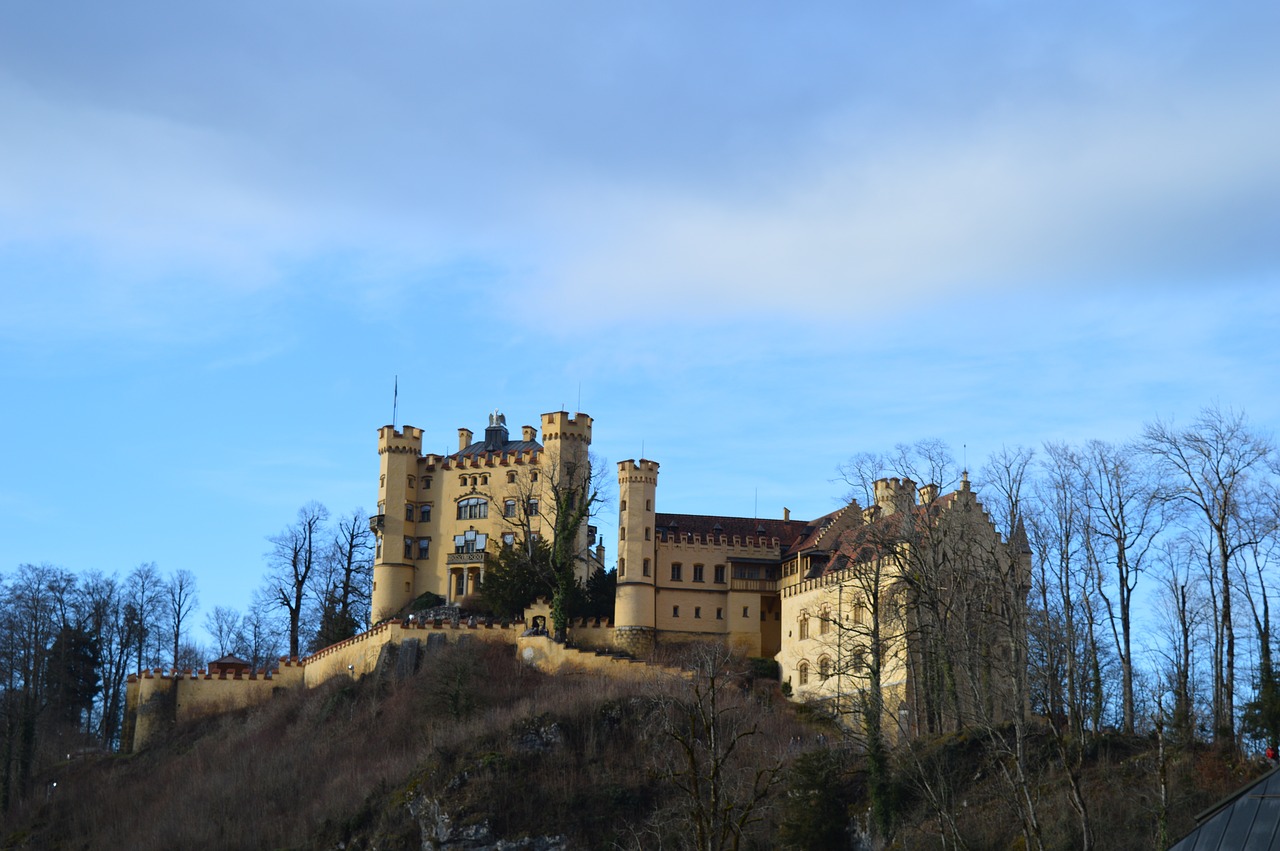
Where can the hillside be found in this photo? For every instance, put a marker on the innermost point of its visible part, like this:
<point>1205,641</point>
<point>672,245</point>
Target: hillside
<point>476,747</point>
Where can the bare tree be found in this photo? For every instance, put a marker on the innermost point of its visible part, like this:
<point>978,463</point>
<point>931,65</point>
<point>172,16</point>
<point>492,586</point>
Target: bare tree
<point>224,625</point>
<point>1214,463</point>
<point>1182,615</point>
<point>1124,502</point>
<point>180,600</point>
<point>346,571</point>
<point>722,787</point>
<point>143,597</point>
<point>106,620</point>
<point>293,558</point>
<point>564,500</point>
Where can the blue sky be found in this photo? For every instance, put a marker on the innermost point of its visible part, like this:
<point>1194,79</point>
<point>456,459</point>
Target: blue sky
<point>751,239</point>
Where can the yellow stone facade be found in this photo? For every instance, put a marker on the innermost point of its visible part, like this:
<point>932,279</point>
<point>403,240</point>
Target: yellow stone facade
<point>852,586</point>
<point>441,518</point>
<point>805,593</point>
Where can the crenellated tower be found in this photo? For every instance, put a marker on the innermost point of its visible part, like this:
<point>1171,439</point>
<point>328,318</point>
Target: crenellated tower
<point>634,614</point>
<point>566,443</point>
<point>395,523</point>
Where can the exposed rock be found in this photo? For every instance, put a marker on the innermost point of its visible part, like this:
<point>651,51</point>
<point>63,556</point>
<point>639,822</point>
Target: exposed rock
<point>440,833</point>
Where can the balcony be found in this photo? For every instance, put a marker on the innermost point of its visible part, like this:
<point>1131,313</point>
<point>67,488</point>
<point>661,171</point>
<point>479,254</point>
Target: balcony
<point>377,522</point>
<point>466,558</point>
<point>750,577</point>
<point>764,585</point>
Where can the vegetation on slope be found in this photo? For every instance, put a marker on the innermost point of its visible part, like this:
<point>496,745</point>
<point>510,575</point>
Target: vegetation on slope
<point>477,744</point>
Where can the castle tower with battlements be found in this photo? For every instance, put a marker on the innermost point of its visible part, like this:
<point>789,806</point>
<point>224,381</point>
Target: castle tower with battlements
<point>441,518</point>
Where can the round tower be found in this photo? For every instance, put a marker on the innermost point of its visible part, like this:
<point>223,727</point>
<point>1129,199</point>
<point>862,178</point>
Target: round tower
<point>393,581</point>
<point>566,445</point>
<point>637,563</point>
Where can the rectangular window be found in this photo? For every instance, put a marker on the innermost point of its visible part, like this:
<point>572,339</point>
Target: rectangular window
<point>533,508</point>
<point>508,539</point>
<point>622,567</point>
<point>719,574</point>
<point>676,571</point>
<point>675,611</point>
<point>697,573</point>
<point>746,611</point>
<point>424,547</point>
<point>378,548</point>
<point>697,611</point>
<point>719,614</point>
<point>409,513</point>
<point>425,512</point>
<point>646,567</point>
<point>509,508</point>
<point>408,547</point>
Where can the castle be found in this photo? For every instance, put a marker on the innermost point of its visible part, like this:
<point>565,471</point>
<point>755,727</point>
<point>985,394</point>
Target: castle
<point>441,518</point>
<point>861,600</point>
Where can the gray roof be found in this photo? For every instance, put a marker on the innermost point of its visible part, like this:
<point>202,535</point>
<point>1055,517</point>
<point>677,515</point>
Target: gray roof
<point>477,448</point>
<point>1248,818</point>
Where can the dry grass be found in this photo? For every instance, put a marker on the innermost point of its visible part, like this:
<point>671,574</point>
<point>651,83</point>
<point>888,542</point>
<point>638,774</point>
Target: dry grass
<point>486,736</point>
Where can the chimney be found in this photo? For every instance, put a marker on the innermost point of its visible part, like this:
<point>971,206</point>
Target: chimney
<point>529,434</point>
<point>786,515</point>
<point>464,438</point>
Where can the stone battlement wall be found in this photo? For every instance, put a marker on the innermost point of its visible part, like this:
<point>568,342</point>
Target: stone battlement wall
<point>358,655</point>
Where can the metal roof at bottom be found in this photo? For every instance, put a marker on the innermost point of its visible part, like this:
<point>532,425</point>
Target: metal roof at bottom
<point>1246,819</point>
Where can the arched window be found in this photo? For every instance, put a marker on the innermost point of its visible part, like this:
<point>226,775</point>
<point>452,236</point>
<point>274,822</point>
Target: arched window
<point>804,673</point>
<point>824,667</point>
<point>804,627</point>
<point>511,478</point>
<point>473,508</point>
<point>509,508</point>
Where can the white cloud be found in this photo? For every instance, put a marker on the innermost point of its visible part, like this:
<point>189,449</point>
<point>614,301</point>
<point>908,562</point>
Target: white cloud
<point>1127,192</point>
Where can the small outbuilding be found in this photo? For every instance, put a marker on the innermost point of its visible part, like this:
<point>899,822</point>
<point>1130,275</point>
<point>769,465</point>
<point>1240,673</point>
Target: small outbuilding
<point>232,666</point>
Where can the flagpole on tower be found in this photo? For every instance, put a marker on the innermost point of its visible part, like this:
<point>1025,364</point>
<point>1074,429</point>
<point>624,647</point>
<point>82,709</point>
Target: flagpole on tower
<point>395,402</point>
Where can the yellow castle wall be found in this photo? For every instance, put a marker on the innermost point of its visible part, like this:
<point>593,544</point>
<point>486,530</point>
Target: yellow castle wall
<point>410,480</point>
